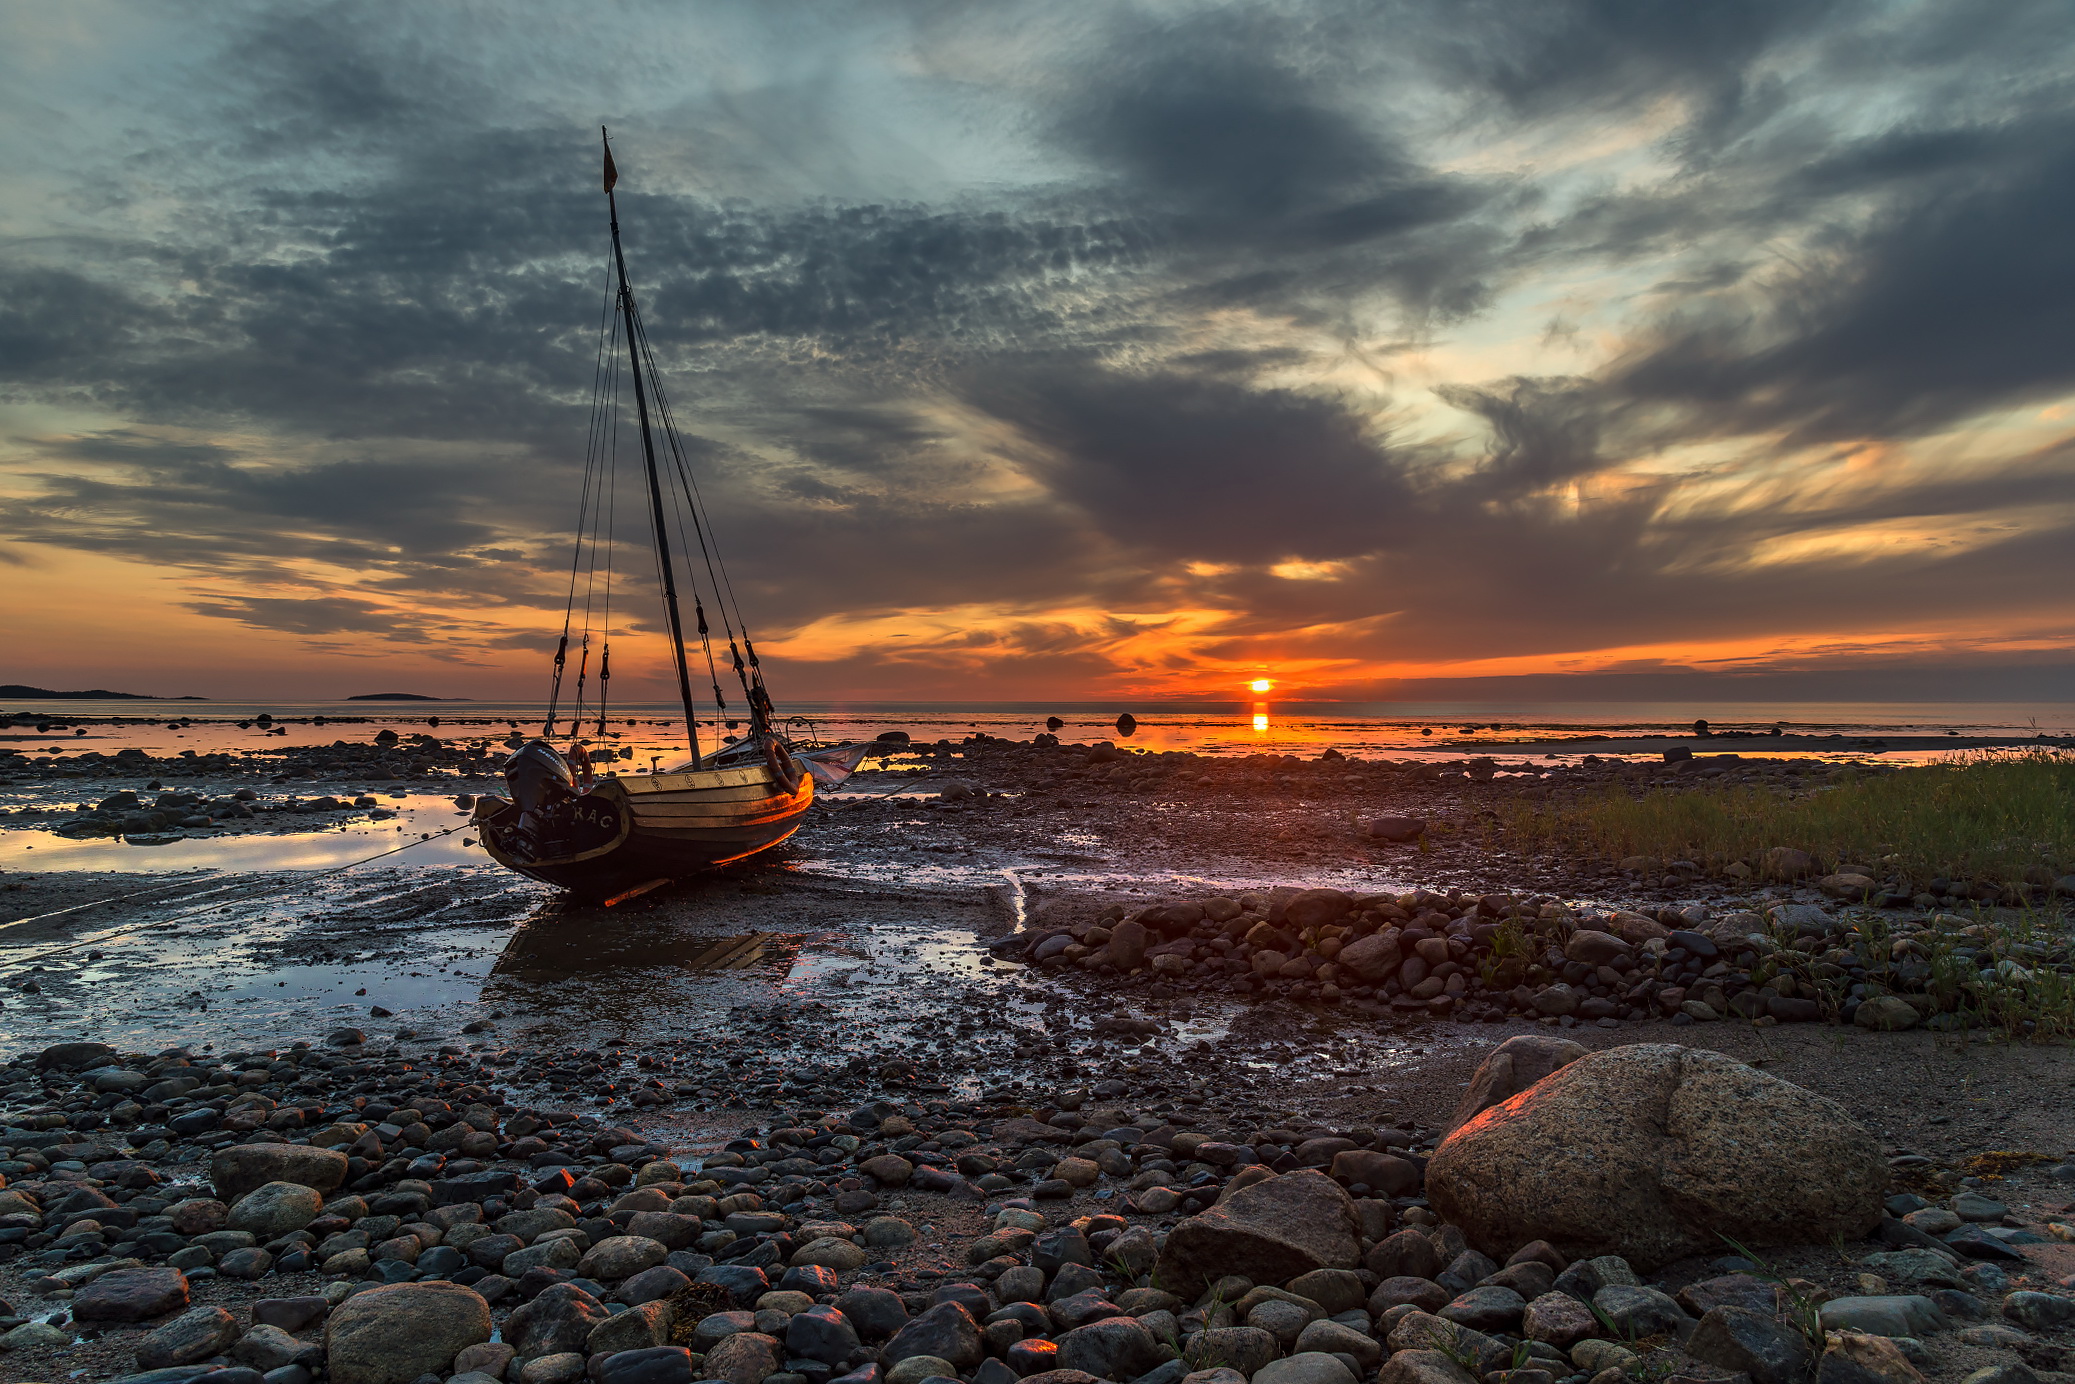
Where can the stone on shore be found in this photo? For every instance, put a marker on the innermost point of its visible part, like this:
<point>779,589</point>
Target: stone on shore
<point>560,1320</point>
<point>1397,828</point>
<point>195,1334</point>
<point>243,1168</point>
<point>1655,1152</point>
<point>131,1295</point>
<point>1756,1343</point>
<point>1270,1232</point>
<point>395,1333</point>
<point>1423,1367</point>
<point>1305,1367</point>
<point>1113,1348</point>
<point>620,1256</point>
<point>746,1357</point>
<point>1558,1319</point>
<point>1511,1068</point>
<point>1243,1348</point>
<point>274,1209</point>
<point>74,1056</point>
<point>1886,1013</point>
<point>1372,958</point>
<point>1886,1314</point>
<point>946,1331</point>
<point>637,1328</point>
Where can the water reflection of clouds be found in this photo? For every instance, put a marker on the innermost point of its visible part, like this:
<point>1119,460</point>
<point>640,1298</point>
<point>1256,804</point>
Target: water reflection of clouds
<point>314,847</point>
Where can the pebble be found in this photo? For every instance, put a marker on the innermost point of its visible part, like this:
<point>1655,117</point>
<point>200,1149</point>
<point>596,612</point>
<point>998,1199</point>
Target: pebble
<point>545,1200</point>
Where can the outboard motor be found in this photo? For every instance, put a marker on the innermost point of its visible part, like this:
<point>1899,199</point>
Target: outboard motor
<point>540,781</point>
<point>539,776</point>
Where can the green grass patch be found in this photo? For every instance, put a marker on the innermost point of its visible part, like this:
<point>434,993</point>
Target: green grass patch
<point>2001,817</point>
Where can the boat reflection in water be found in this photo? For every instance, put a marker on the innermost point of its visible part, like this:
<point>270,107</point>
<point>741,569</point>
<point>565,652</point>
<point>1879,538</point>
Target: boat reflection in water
<point>549,950</point>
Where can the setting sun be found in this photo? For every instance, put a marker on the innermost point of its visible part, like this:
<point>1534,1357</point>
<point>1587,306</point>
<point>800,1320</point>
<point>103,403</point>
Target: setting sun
<point>1261,684</point>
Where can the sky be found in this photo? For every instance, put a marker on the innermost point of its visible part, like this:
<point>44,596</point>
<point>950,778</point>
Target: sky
<point>1051,350</point>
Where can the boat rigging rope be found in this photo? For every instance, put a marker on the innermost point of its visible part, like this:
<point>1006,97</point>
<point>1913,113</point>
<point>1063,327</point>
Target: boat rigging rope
<point>604,376</point>
<point>299,881</point>
<point>709,545</point>
<point>687,509</point>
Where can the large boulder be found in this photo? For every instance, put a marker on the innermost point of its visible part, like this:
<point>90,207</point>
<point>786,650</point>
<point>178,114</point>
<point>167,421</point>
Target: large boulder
<point>1270,1232</point>
<point>1511,1068</point>
<point>1656,1152</point>
<point>393,1334</point>
<point>243,1168</point>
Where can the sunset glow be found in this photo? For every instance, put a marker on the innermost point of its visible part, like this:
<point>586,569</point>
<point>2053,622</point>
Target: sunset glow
<point>1260,684</point>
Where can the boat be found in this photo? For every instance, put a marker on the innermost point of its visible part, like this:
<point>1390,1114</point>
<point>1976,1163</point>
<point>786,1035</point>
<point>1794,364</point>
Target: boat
<point>614,835</point>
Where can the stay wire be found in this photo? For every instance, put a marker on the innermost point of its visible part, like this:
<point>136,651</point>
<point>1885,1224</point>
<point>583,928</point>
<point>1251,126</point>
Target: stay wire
<point>594,500</point>
<point>612,495</point>
<point>709,547</point>
<point>749,674</point>
<point>716,569</point>
<point>593,510</point>
<point>678,504</point>
<point>591,437</point>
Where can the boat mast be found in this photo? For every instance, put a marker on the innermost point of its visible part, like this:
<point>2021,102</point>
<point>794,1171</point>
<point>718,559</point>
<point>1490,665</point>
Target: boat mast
<point>648,454</point>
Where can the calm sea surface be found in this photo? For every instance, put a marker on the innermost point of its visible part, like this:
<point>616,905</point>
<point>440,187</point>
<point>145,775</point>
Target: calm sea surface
<point>1372,729</point>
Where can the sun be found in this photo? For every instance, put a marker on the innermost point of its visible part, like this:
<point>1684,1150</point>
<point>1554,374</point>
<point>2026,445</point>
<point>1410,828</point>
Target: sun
<point>1261,684</point>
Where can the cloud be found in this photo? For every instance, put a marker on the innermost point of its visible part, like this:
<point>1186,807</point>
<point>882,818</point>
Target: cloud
<point>1187,467</point>
<point>1121,330</point>
<point>1951,302</point>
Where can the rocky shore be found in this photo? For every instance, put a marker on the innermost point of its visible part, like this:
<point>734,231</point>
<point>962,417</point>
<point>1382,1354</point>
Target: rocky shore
<point>1138,1132</point>
<point>1482,957</point>
<point>348,1213</point>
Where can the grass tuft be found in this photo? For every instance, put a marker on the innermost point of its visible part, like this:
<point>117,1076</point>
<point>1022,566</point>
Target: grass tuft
<point>1999,817</point>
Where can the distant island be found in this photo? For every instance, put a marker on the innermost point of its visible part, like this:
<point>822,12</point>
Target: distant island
<point>401,697</point>
<point>14,691</point>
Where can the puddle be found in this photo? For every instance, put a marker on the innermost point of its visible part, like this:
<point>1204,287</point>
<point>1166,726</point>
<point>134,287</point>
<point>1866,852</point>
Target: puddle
<point>321,848</point>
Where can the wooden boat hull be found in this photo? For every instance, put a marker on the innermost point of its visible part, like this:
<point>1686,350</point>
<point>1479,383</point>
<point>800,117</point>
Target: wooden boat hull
<point>645,828</point>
